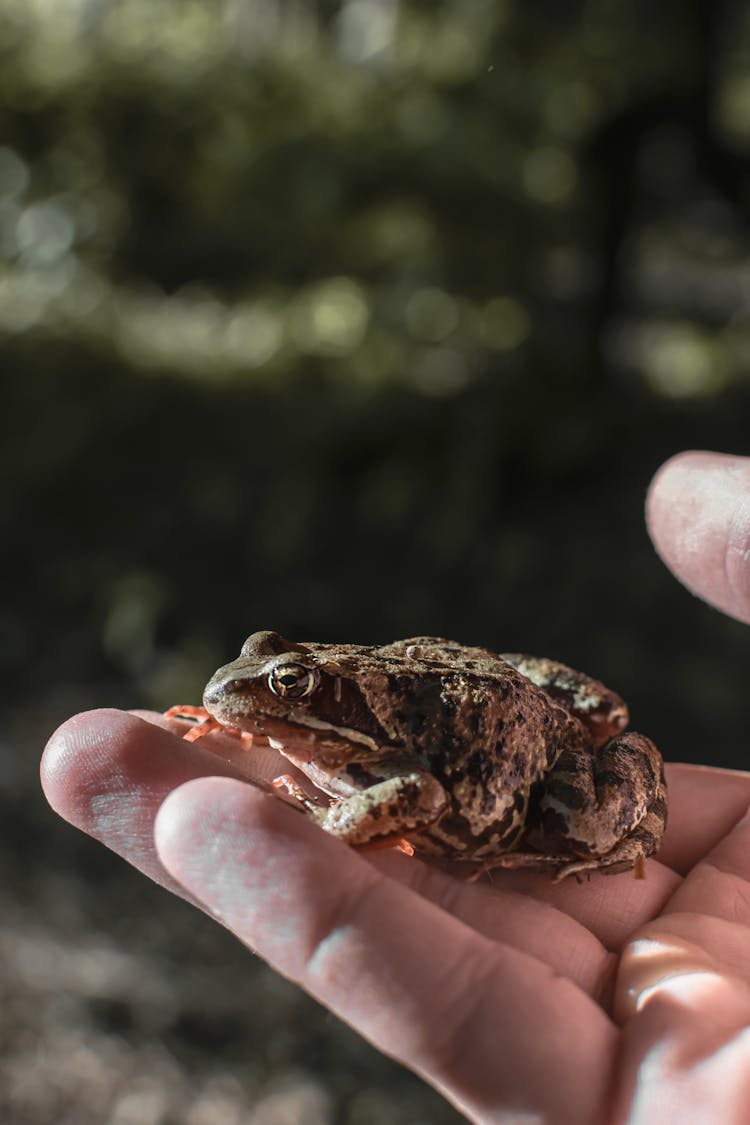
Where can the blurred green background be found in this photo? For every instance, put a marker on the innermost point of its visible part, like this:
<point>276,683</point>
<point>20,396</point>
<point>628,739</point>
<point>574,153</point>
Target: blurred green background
<point>353,319</point>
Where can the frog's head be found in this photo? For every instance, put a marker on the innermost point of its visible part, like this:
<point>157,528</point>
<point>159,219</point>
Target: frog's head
<point>298,695</point>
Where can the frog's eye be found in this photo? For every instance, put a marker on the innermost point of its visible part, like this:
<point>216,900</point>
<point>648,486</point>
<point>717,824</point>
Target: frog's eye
<point>293,681</point>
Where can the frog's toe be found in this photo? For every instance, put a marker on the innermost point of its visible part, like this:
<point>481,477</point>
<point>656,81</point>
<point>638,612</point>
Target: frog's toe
<point>629,855</point>
<point>516,861</point>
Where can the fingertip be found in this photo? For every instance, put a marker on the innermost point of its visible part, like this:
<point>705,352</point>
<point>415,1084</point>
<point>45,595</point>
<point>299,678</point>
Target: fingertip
<point>106,770</point>
<point>67,758</point>
<point>667,488</point>
<point>698,516</point>
<point>107,773</point>
<point>198,814</point>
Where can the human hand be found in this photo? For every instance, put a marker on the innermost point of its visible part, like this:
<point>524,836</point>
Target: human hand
<point>610,1001</point>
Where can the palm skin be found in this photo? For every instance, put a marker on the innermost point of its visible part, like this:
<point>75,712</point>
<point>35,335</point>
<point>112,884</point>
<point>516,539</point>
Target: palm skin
<point>613,1001</point>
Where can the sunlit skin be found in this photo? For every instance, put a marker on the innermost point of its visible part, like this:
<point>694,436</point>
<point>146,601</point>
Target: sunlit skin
<point>611,1001</point>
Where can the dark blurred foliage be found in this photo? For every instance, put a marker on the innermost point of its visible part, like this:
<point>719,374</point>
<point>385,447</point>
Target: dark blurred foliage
<point>354,320</point>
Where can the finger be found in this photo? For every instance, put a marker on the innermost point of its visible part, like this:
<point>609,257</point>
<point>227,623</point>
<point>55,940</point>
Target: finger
<point>610,906</point>
<point>478,1020</point>
<point>256,761</point>
<point>686,1051</point>
<point>698,514</point>
<point>719,884</point>
<point>704,805</point>
<point>683,988</point>
<point>107,772</point>
<point>510,917</point>
<point>709,838</point>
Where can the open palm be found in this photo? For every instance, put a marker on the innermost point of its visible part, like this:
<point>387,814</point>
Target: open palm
<point>521,1000</point>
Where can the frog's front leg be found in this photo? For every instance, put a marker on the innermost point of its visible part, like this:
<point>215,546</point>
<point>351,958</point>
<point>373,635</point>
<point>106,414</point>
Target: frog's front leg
<point>387,810</point>
<point>597,811</point>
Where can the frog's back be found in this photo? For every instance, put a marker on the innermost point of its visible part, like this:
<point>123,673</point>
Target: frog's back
<point>447,655</point>
<point>489,736</point>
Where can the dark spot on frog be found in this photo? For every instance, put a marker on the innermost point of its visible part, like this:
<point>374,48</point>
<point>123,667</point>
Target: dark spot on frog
<point>487,802</point>
<point>479,768</point>
<point>646,764</point>
<point>641,833</point>
<point>569,795</point>
<point>361,776</point>
<point>553,826</point>
<point>502,825</point>
<point>500,748</point>
<point>417,722</point>
<point>611,779</point>
<point>659,807</point>
<point>519,802</point>
<point>520,762</point>
<point>452,744</point>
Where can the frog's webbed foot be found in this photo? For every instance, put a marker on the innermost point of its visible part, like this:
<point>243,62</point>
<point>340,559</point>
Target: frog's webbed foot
<point>601,711</point>
<point>198,721</point>
<point>629,855</point>
<point>295,792</point>
<point>559,866</point>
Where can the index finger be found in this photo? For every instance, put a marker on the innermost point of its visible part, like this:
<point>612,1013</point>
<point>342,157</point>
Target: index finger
<point>477,1019</point>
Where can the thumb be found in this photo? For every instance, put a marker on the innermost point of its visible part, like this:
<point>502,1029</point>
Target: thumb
<point>698,514</point>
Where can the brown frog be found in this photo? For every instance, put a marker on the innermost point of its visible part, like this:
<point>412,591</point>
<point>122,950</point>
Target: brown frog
<point>497,760</point>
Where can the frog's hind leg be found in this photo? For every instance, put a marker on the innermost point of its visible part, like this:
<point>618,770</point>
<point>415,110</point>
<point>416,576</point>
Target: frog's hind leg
<point>603,811</point>
<point>601,711</point>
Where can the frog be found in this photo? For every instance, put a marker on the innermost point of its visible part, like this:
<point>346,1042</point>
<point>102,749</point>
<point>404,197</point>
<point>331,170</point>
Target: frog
<point>451,751</point>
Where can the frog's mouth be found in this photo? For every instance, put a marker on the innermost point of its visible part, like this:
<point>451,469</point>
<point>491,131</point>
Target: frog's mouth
<point>316,740</point>
<point>334,763</point>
